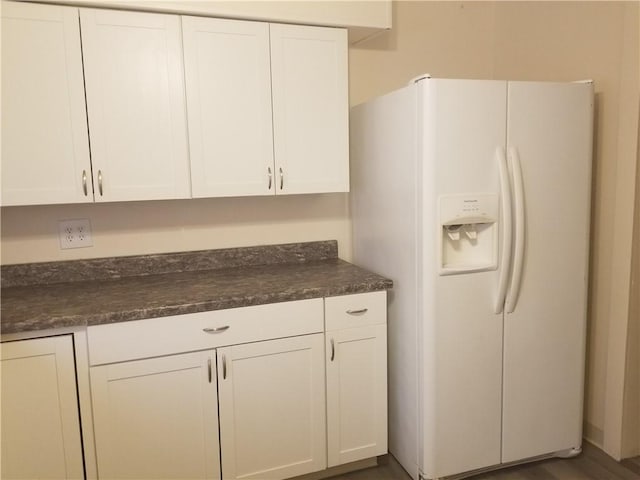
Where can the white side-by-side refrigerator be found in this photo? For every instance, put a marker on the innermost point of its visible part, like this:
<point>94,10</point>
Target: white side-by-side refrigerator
<point>473,196</point>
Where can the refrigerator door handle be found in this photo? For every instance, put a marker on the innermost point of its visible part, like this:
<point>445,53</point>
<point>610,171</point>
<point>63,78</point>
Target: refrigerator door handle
<point>505,205</point>
<point>518,254</point>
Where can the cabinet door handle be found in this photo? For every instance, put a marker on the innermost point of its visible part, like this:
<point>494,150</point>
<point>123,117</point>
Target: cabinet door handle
<point>84,182</point>
<point>216,329</point>
<point>270,178</point>
<point>333,350</point>
<point>281,178</point>
<point>100,181</point>
<point>358,312</point>
<point>209,366</point>
<point>224,367</point>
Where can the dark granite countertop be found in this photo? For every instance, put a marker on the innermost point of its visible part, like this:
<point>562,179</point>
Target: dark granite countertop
<point>155,292</point>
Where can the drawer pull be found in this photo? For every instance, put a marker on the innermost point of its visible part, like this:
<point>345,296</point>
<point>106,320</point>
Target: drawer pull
<point>216,330</point>
<point>358,312</point>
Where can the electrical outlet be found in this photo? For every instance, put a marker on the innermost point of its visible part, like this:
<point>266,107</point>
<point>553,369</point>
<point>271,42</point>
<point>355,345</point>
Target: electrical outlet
<point>75,233</point>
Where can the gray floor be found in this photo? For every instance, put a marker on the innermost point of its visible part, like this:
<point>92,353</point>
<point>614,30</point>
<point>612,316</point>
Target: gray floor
<point>633,464</point>
<point>592,464</point>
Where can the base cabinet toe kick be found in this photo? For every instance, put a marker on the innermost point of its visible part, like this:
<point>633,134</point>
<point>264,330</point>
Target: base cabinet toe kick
<point>262,392</point>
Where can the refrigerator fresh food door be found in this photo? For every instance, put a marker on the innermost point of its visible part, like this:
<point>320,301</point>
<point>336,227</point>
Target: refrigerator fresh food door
<point>461,346</point>
<point>549,141</point>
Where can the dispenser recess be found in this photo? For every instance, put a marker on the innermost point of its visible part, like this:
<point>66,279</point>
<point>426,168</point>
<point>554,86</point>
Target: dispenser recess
<point>468,233</point>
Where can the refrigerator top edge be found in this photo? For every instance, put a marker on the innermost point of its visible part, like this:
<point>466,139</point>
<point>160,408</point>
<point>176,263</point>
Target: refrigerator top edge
<point>427,77</point>
<point>423,82</point>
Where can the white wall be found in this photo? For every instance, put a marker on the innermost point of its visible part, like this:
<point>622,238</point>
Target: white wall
<point>631,417</point>
<point>29,234</point>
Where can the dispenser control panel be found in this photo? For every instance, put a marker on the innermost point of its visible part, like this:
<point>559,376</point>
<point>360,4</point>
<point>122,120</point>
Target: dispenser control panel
<point>460,209</point>
<point>468,233</point>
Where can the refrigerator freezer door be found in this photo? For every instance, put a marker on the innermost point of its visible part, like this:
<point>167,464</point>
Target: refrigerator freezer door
<point>550,125</point>
<point>461,343</point>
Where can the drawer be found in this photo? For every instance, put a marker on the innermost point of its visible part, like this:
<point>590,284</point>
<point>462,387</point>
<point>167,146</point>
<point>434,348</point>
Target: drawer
<point>118,342</point>
<point>355,310</point>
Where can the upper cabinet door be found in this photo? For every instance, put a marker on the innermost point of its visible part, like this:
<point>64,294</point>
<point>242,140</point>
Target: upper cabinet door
<point>45,146</point>
<point>228,84</point>
<point>136,105</point>
<point>309,75</point>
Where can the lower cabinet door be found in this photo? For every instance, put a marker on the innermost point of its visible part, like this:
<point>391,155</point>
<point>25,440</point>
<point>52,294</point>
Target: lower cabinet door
<point>356,393</point>
<point>40,421</point>
<point>157,418</point>
<point>272,408</point>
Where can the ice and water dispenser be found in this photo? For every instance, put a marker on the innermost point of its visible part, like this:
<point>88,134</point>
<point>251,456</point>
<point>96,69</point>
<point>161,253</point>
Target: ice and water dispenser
<point>468,233</point>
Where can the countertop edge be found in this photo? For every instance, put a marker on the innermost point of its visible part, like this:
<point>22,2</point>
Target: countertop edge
<point>35,324</point>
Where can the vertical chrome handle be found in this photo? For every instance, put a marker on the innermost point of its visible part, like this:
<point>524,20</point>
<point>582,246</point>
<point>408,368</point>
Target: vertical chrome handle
<point>333,350</point>
<point>270,178</point>
<point>100,181</point>
<point>84,182</point>
<point>281,179</point>
<point>224,367</point>
<point>209,366</point>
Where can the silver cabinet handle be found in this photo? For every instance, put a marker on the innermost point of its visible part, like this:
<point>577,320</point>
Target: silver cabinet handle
<point>270,178</point>
<point>209,366</point>
<point>224,367</point>
<point>333,350</point>
<point>216,329</point>
<point>84,182</point>
<point>281,178</point>
<point>358,312</point>
<point>100,181</point>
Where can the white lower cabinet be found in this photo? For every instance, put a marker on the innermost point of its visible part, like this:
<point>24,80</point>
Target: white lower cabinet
<point>40,419</point>
<point>251,400</point>
<point>272,408</point>
<point>356,345</point>
<point>157,418</point>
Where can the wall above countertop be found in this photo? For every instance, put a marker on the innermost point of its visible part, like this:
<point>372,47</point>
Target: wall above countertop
<point>363,19</point>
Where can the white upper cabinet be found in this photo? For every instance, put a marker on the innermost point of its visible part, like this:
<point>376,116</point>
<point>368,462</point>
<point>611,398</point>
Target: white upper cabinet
<point>228,84</point>
<point>309,74</point>
<point>135,105</point>
<point>266,104</point>
<point>240,75</point>
<point>45,147</point>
